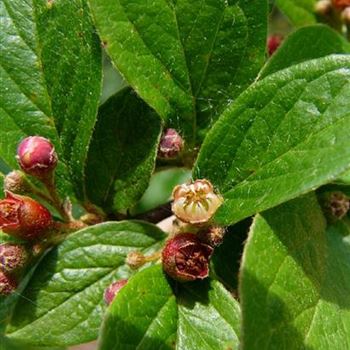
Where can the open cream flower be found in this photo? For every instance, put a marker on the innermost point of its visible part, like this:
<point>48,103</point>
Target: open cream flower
<point>195,203</point>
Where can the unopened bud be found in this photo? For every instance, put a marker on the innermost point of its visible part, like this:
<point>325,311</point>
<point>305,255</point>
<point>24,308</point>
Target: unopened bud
<point>323,7</point>
<point>273,43</point>
<point>13,257</point>
<point>195,203</point>
<point>112,291</point>
<point>36,156</point>
<point>345,16</point>
<point>336,205</point>
<point>171,144</point>
<point>186,258</point>
<point>213,235</point>
<point>16,182</point>
<point>135,260</point>
<point>7,284</point>
<point>23,217</point>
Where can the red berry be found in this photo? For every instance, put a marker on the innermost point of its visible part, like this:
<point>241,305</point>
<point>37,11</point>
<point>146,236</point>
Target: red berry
<point>112,291</point>
<point>7,284</point>
<point>12,257</point>
<point>171,144</point>
<point>186,258</point>
<point>273,43</point>
<point>23,217</point>
<point>37,156</point>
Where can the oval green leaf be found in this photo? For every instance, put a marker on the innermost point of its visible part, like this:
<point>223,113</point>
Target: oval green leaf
<point>299,12</point>
<point>186,59</point>
<point>285,136</point>
<point>149,314</point>
<point>65,295</point>
<point>295,280</point>
<point>122,153</point>
<point>50,79</point>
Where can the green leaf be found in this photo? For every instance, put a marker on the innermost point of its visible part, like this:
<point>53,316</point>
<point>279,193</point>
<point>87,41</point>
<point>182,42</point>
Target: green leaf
<point>50,78</point>
<point>295,280</point>
<point>147,314</point>
<point>344,178</point>
<point>285,136</point>
<point>72,66</point>
<point>25,103</point>
<point>65,295</point>
<point>186,59</point>
<point>305,44</point>
<point>123,152</point>
<point>5,344</point>
<point>299,12</point>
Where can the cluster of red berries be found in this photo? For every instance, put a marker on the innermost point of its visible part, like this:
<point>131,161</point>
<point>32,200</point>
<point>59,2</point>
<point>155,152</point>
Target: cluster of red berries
<point>20,216</point>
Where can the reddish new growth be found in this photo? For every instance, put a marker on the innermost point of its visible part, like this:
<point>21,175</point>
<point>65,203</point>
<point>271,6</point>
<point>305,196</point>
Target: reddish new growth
<point>12,257</point>
<point>186,258</point>
<point>36,156</point>
<point>170,145</point>
<point>273,43</point>
<point>7,284</point>
<point>112,291</point>
<point>23,217</point>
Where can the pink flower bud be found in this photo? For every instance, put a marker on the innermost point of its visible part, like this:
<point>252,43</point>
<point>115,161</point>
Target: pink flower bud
<point>7,284</point>
<point>273,43</point>
<point>186,258</point>
<point>112,291</point>
<point>36,156</point>
<point>171,144</point>
<point>13,257</point>
<point>195,203</point>
<point>23,217</point>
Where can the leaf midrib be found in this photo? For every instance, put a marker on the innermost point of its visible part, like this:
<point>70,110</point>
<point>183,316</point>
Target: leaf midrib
<point>114,269</point>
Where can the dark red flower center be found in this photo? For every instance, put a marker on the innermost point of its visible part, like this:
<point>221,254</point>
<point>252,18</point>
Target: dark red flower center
<point>193,260</point>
